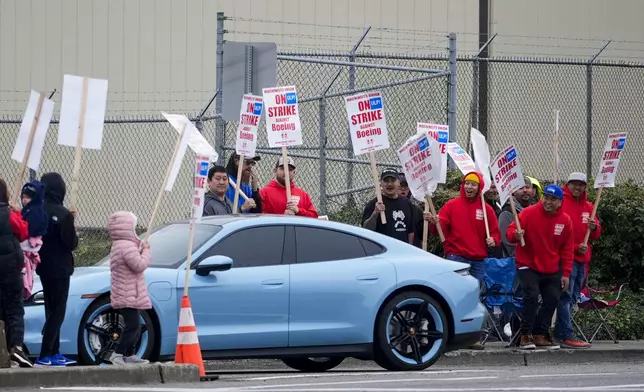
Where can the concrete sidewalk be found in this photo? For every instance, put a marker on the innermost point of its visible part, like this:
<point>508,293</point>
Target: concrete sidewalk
<point>495,354</point>
<point>98,375</point>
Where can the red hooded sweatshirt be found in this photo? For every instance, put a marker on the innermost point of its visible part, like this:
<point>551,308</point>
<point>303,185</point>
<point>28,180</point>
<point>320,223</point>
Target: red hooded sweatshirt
<point>579,212</point>
<point>464,227</point>
<point>548,239</point>
<point>274,200</point>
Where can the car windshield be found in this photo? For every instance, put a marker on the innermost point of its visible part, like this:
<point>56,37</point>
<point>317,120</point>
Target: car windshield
<point>169,244</point>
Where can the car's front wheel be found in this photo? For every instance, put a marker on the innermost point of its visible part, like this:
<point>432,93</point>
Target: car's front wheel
<point>313,364</point>
<point>100,329</point>
<point>411,332</point>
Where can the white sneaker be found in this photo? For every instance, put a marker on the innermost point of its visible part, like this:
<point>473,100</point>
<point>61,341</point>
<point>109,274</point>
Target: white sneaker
<point>134,360</point>
<point>117,359</point>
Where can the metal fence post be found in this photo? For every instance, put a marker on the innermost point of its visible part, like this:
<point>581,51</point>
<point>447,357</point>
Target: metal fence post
<point>352,86</point>
<point>220,126</point>
<point>322,160</point>
<point>589,110</point>
<point>451,107</point>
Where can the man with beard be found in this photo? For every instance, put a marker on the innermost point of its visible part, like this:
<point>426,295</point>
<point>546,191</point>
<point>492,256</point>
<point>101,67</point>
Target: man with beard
<point>249,183</point>
<point>398,210</point>
<point>274,194</point>
<point>417,210</point>
<point>216,202</point>
<point>491,197</point>
<point>522,199</point>
<point>543,264</point>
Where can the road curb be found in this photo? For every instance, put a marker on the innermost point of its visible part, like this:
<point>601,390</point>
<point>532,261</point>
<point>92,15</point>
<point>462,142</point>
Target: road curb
<point>514,357</point>
<point>74,376</point>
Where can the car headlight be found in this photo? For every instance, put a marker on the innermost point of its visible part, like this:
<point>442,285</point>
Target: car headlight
<point>37,298</point>
<point>463,272</point>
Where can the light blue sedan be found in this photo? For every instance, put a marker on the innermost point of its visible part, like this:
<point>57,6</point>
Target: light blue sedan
<point>310,292</point>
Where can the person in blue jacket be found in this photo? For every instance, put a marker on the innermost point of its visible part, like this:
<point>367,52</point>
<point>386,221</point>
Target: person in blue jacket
<point>249,183</point>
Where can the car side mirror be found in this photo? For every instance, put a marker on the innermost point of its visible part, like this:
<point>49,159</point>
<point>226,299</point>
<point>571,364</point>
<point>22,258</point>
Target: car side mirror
<point>214,263</point>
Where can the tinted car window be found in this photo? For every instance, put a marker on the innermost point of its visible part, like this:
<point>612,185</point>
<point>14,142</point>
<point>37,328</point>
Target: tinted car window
<point>169,244</point>
<point>315,244</point>
<point>253,247</point>
<point>371,247</point>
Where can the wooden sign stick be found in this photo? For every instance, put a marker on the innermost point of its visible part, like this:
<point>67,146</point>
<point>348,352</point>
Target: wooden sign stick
<point>376,182</point>
<point>516,217</point>
<point>165,181</point>
<point>592,216</point>
<point>429,204</point>
<point>79,147</point>
<point>191,237</point>
<point>241,193</point>
<point>240,166</point>
<point>23,166</point>
<point>287,175</point>
<point>487,225</point>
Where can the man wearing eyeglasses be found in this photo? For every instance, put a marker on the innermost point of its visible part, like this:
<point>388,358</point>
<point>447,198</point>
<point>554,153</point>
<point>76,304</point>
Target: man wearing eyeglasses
<point>249,183</point>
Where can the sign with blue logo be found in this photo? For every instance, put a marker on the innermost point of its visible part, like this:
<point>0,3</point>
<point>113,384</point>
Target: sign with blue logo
<point>621,143</point>
<point>423,144</point>
<point>459,150</point>
<point>511,155</point>
<point>443,137</point>
<point>375,103</point>
<point>203,169</point>
<point>257,110</point>
<point>291,98</point>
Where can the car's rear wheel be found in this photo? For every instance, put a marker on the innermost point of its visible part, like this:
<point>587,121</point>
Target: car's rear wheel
<point>100,329</point>
<point>313,364</point>
<point>411,332</point>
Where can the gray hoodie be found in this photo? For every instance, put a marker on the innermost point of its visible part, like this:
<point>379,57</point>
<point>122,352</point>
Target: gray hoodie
<point>505,218</point>
<point>215,206</point>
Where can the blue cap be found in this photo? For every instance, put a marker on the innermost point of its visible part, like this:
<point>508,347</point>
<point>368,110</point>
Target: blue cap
<point>553,190</point>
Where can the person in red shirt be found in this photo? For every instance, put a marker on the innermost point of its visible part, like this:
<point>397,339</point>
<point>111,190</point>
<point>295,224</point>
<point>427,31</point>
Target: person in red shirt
<point>548,234</point>
<point>274,194</point>
<point>13,231</point>
<point>463,225</point>
<point>577,206</point>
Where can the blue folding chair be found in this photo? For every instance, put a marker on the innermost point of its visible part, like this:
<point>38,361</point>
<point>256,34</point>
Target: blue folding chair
<point>501,298</point>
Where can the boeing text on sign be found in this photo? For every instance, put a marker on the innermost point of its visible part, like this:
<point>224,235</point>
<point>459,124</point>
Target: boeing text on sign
<point>282,117</point>
<point>367,123</point>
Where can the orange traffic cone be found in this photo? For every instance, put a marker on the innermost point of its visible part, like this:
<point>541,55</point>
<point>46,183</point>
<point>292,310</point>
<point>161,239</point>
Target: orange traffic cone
<point>188,349</point>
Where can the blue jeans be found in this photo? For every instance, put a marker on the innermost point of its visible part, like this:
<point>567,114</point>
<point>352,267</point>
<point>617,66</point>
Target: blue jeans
<point>477,268</point>
<point>563,325</point>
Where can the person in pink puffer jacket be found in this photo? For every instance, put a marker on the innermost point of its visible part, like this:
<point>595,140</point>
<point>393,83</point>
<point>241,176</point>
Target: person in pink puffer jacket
<point>129,258</point>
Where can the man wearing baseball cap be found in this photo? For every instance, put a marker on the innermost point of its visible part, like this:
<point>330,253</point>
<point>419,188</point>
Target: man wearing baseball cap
<point>398,210</point>
<point>577,206</point>
<point>274,194</point>
<point>548,235</point>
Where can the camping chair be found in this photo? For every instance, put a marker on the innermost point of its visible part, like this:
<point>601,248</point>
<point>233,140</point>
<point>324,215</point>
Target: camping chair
<point>499,296</point>
<point>601,310</point>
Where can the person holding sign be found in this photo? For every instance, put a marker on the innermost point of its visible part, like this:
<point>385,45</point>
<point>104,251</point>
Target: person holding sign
<point>522,199</point>
<point>577,206</point>
<point>249,183</point>
<point>56,267</point>
<point>274,194</point>
<point>463,225</point>
<point>399,211</point>
<point>548,235</point>
<point>215,201</point>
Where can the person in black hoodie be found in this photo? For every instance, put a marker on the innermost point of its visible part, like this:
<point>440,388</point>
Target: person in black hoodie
<point>55,268</point>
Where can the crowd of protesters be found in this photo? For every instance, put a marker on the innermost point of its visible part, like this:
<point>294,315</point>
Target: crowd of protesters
<point>552,265</point>
<point>39,235</point>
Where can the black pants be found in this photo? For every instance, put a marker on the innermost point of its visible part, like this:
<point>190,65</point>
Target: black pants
<point>12,309</point>
<point>536,320</point>
<point>131,332</point>
<point>55,292</point>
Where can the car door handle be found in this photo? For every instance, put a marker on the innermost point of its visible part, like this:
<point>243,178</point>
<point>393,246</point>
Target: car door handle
<point>368,277</point>
<point>273,282</point>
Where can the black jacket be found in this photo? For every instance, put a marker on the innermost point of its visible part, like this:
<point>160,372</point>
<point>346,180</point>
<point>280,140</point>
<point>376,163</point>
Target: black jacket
<point>56,258</point>
<point>11,256</point>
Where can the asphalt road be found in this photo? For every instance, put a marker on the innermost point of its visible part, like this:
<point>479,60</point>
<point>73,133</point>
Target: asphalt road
<point>596,377</point>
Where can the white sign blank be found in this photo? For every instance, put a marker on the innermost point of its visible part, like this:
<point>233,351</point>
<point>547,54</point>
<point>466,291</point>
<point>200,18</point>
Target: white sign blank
<point>70,110</point>
<point>38,143</point>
